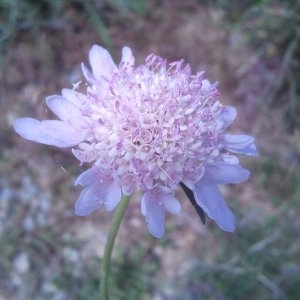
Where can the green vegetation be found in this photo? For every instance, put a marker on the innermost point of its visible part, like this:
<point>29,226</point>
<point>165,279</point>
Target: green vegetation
<point>272,29</point>
<point>19,17</point>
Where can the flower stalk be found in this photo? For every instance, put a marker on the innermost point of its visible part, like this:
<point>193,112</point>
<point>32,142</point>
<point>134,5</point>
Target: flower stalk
<point>105,269</point>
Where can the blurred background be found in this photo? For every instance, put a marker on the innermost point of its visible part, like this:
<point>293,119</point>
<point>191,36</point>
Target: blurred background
<point>252,49</point>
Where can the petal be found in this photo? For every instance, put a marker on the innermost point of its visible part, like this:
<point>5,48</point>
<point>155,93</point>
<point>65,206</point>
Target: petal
<point>101,189</point>
<point>127,56</point>
<point>154,212</point>
<point>189,183</point>
<point>74,97</point>
<point>129,183</point>
<point>101,62</point>
<point>87,177</point>
<point>211,201</point>
<point>227,116</point>
<point>240,143</point>
<point>90,199</point>
<point>113,196</point>
<point>223,174</point>
<point>143,206</point>
<point>49,132</point>
<point>171,204</point>
<point>205,85</point>
<point>82,155</point>
<point>87,73</point>
<point>229,159</point>
<point>64,109</point>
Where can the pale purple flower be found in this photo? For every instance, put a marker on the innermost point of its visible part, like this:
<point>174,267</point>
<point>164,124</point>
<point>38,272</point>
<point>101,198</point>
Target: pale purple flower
<point>148,128</point>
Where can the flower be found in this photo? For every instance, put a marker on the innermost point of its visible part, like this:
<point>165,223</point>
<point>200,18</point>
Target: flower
<point>150,128</point>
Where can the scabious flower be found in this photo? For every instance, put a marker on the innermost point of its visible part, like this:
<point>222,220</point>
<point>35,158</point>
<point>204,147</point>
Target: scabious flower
<point>150,128</point>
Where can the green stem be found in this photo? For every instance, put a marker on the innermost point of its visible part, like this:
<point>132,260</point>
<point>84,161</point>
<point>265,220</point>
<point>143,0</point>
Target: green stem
<point>109,246</point>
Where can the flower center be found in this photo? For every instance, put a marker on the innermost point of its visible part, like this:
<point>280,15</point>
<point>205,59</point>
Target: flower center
<point>154,124</point>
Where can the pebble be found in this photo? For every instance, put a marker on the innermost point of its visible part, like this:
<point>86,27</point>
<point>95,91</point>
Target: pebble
<point>21,263</point>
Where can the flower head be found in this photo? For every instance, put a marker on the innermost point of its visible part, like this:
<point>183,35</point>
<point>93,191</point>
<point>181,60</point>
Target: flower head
<point>148,128</point>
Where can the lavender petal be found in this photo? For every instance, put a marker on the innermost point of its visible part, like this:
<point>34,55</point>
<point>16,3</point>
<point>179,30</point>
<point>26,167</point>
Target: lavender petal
<point>89,200</point>
<point>211,201</point>
<point>86,178</point>
<point>154,212</point>
<point>225,173</point>
<point>170,203</point>
<point>227,116</point>
<point>49,132</point>
<point>64,109</point>
<point>101,62</point>
<point>113,196</point>
<point>127,56</point>
<point>240,143</point>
